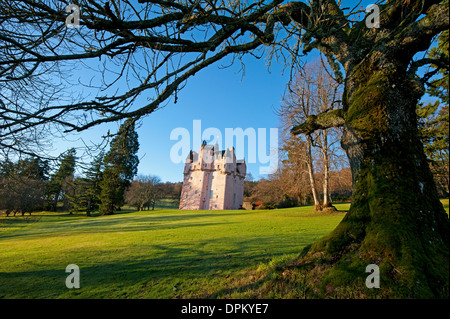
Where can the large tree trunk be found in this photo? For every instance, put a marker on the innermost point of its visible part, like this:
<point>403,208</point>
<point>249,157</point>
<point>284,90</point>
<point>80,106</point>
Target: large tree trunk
<point>396,220</point>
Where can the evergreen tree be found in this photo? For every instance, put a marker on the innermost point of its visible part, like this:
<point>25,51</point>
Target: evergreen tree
<point>63,175</point>
<point>433,118</point>
<point>86,196</point>
<point>120,164</point>
<point>22,185</point>
<point>94,175</point>
<point>32,167</point>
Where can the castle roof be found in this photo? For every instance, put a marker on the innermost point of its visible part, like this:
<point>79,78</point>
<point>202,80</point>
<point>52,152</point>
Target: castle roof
<point>229,152</point>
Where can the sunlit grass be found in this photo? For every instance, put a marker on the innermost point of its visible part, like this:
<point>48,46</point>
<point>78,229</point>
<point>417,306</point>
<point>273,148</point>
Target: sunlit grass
<point>155,254</point>
<point>159,254</point>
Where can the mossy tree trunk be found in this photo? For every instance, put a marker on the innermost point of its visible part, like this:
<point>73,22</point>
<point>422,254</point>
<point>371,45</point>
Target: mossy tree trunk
<point>396,220</point>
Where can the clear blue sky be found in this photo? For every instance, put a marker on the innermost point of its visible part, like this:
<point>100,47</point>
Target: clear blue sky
<point>220,98</point>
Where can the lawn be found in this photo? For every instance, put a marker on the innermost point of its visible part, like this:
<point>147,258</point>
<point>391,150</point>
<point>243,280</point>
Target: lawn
<point>150,254</point>
<point>164,253</point>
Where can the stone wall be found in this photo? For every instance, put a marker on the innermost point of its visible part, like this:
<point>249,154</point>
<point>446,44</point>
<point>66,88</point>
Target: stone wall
<point>212,180</point>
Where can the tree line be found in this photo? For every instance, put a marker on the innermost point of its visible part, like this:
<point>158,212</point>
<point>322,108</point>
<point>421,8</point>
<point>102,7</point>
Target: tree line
<point>106,184</point>
<point>284,189</point>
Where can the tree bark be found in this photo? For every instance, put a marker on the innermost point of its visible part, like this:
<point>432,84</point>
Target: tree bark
<point>326,166</point>
<point>396,220</point>
<point>309,164</point>
<point>89,207</point>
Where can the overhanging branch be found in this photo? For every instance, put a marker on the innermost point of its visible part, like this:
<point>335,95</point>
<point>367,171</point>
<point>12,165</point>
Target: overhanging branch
<point>325,120</point>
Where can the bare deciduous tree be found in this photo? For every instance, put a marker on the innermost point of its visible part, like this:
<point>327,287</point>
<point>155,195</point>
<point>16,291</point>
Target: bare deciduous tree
<point>312,92</point>
<point>143,192</point>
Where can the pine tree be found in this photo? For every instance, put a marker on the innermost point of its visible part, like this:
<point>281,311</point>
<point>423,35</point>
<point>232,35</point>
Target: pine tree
<point>94,175</point>
<point>87,190</point>
<point>121,164</point>
<point>33,167</point>
<point>63,174</point>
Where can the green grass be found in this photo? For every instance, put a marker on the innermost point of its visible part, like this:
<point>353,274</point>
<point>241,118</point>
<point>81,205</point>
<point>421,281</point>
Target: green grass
<point>160,254</point>
<point>164,253</point>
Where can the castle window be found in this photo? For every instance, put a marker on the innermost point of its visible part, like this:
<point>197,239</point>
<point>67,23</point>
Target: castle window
<point>234,198</point>
<point>211,194</point>
<point>196,191</point>
<point>206,165</point>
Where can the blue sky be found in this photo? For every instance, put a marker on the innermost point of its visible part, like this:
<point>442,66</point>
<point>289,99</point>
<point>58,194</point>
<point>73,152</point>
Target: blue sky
<point>220,98</point>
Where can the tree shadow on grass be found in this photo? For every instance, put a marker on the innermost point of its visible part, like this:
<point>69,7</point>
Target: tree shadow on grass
<point>105,227</point>
<point>228,292</point>
<point>154,277</point>
<point>19,220</point>
<point>111,223</point>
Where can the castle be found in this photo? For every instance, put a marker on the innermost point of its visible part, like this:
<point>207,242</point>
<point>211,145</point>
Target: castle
<point>213,179</point>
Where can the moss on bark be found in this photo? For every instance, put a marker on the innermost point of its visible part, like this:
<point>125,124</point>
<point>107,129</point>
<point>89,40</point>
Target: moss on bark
<point>396,220</point>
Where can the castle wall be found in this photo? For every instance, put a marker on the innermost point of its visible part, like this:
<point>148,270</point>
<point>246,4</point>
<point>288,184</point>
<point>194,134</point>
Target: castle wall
<point>212,181</point>
<point>192,189</point>
<point>218,190</point>
<point>234,192</point>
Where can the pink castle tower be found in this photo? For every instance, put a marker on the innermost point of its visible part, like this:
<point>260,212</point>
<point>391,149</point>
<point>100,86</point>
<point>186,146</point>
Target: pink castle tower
<point>213,179</point>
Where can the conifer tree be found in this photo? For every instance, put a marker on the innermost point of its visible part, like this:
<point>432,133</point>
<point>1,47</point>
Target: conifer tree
<point>121,164</point>
<point>22,185</point>
<point>63,174</point>
<point>87,190</point>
